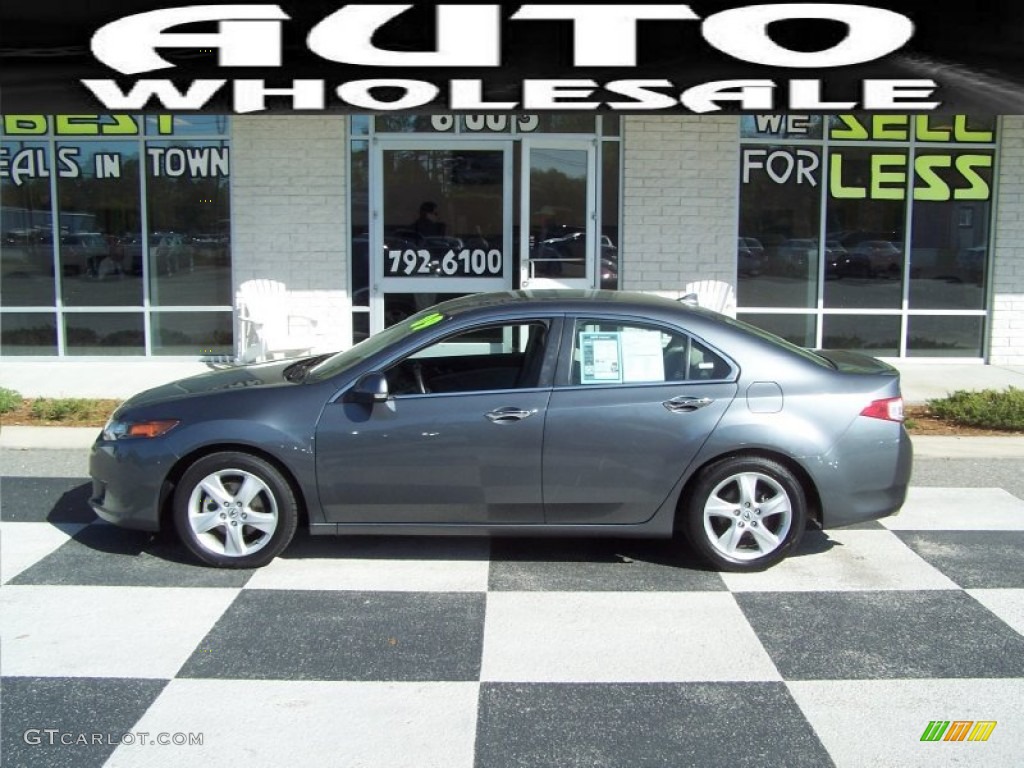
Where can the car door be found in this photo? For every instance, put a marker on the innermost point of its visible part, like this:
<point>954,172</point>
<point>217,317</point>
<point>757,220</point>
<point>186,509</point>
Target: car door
<point>633,403</point>
<point>465,451</point>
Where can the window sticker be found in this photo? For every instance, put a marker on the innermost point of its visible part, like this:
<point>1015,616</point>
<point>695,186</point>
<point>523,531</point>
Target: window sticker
<point>601,355</point>
<point>426,322</point>
<point>642,355</point>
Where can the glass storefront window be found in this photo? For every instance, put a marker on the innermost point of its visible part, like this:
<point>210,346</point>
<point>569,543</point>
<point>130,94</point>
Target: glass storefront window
<point>798,329</point>
<point>878,335</point>
<point>192,333</point>
<point>104,333</point>
<point>28,333</point>
<point>905,208</point>
<point>188,212</point>
<point>949,231</point>
<point>99,218</point>
<point>781,126</point>
<point>777,247</point>
<point>944,336</point>
<point>444,213</point>
<point>26,225</point>
<point>96,217</point>
<point>610,181</point>
<point>865,216</point>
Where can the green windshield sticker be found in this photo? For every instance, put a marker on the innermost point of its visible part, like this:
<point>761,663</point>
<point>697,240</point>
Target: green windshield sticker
<point>427,321</point>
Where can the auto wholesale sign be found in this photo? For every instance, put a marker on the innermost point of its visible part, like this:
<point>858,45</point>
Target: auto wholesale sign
<point>693,58</point>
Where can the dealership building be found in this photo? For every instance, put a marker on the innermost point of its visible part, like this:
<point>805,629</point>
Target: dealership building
<point>130,243</point>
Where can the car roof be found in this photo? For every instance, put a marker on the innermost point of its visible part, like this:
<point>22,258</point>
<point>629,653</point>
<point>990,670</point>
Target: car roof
<point>580,301</point>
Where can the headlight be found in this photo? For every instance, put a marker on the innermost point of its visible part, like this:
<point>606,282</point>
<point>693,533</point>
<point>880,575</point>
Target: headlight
<point>117,429</point>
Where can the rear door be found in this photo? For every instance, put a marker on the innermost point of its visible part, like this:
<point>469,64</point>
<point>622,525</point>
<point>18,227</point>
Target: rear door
<point>633,403</point>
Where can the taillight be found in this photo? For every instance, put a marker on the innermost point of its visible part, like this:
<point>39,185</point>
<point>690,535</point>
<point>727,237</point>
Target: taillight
<point>890,409</point>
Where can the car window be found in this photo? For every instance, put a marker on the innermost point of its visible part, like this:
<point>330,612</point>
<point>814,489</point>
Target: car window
<point>622,353</point>
<point>495,357</point>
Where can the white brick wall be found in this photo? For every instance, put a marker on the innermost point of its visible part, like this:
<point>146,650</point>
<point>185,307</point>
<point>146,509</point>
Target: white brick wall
<point>1006,345</point>
<point>680,198</point>
<point>290,213</point>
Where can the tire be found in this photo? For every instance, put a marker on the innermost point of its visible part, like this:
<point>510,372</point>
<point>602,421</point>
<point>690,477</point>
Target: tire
<point>219,525</point>
<point>745,513</point>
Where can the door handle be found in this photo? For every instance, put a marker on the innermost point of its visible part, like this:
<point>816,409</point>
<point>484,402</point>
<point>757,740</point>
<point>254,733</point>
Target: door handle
<point>508,414</point>
<point>685,403</point>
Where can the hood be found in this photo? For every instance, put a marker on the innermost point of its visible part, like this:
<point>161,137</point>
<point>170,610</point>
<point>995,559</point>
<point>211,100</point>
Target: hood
<point>237,377</point>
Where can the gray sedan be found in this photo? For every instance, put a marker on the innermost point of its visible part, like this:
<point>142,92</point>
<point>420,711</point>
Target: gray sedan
<point>547,413</point>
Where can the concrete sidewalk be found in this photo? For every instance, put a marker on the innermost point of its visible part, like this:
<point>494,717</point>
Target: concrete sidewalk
<point>931,446</point>
<point>921,382</point>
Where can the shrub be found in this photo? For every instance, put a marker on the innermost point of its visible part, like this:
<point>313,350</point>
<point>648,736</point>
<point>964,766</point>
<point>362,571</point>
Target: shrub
<point>70,409</point>
<point>988,408</point>
<point>9,400</point>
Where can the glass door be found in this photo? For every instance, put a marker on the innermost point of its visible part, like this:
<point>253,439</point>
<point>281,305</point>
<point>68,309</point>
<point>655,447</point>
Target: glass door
<point>559,214</point>
<point>441,224</point>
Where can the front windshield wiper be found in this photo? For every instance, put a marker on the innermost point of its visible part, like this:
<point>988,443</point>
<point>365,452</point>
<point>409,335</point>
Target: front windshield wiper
<point>296,372</point>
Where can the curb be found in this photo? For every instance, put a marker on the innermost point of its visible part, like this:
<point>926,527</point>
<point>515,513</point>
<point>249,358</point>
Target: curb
<point>925,446</point>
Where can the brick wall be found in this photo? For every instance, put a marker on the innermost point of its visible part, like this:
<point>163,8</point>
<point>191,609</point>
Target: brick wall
<point>1007,335</point>
<point>680,198</point>
<point>290,214</point>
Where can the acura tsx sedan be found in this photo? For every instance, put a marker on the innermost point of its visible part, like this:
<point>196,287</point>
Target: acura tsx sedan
<point>543,413</point>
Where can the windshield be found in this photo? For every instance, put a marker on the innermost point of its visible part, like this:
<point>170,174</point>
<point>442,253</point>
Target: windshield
<point>336,364</point>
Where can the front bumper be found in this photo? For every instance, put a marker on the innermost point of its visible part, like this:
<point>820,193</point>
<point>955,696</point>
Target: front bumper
<point>128,481</point>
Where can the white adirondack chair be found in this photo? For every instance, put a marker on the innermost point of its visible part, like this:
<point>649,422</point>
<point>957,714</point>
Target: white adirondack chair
<point>715,295</point>
<point>267,325</point>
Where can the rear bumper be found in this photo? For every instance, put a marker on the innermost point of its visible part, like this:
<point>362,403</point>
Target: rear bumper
<point>866,474</point>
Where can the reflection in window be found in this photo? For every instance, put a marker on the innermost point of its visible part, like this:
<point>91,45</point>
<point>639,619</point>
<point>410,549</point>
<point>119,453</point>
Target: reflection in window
<point>944,336</point>
<point>443,213</point>
<point>777,248</point>
<point>28,333</point>
<point>26,225</point>
<point>104,333</point>
<point>609,245</point>
<point>865,227</point>
<point>878,335</point>
<point>359,194</point>
<point>949,234</point>
<point>93,246</point>
<point>192,334</point>
<point>797,329</point>
<point>99,219</point>
<point>189,245</point>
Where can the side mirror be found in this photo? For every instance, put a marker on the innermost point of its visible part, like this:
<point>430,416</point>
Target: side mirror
<point>371,388</point>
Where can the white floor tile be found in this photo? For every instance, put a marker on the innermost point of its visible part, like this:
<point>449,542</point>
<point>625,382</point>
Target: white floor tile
<point>620,637</point>
<point>958,509</point>
<point>397,572</point>
<point>1007,604</point>
<point>880,722</point>
<point>23,544</point>
<point>71,631</point>
<point>278,723</point>
<point>857,560</point>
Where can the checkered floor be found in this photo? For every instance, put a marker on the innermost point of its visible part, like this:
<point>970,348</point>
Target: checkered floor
<point>455,652</point>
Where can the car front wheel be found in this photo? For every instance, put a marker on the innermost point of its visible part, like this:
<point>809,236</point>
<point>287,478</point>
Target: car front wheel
<point>234,510</point>
<point>745,513</point>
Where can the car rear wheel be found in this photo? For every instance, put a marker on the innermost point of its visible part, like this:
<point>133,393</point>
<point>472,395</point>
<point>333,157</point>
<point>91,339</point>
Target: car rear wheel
<point>234,510</point>
<point>745,513</point>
